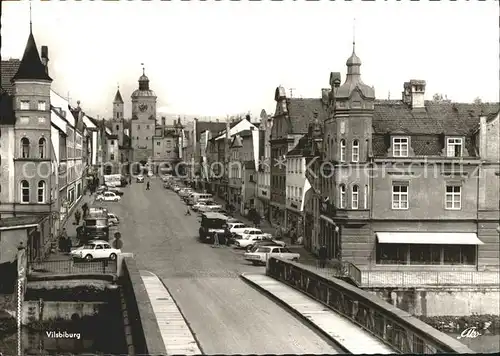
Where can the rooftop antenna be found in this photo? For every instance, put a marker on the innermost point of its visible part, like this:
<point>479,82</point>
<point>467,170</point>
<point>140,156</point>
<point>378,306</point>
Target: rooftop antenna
<point>31,23</point>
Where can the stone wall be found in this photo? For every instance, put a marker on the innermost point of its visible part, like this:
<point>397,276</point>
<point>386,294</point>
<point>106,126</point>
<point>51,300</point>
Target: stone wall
<point>146,334</point>
<point>443,301</point>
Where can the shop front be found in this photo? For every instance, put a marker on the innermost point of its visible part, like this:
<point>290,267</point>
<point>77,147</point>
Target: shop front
<point>295,221</point>
<point>330,235</point>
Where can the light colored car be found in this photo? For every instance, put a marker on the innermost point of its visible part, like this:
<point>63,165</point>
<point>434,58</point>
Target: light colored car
<point>113,219</point>
<point>185,192</point>
<point>237,227</point>
<point>96,249</point>
<point>139,179</point>
<point>208,206</point>
<point>108,196</point>
<point>176,188</point>
<point>262,254</point>
<point>253,231</point>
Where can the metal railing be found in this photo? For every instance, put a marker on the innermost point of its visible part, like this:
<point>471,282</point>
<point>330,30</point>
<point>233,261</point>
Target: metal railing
<point>428,278</point>
<point>72,267</point>
<point>391,325</point>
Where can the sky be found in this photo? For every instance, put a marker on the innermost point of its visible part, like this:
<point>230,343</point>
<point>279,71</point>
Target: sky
<point>213,59</point>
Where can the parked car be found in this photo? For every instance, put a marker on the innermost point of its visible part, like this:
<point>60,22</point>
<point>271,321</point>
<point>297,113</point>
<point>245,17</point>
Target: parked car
<point>108,196</point>
<point>113,219</point>
<point>139,179</point>
<point>96,249</point>
<point>177,188</point>
<point>262,254</point>
<point>258,244</point>
<point>207,206</point>
<point>233,220</point>
<point>150,174</point>
<point>116,190</point>
<point>101,189</point>
<point>237,227</point>
<point>253,231</point>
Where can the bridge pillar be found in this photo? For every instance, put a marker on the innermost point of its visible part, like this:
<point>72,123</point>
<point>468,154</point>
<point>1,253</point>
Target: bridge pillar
<point>119,262</point>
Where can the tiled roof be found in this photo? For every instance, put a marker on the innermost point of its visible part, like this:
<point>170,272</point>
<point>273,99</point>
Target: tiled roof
<point>436,118</point>
<point>302,111</point>
<point>7,70</point>
<point>213,127</point>
<point>31,66</point>
<point>300,148</point>
<point>118,97</point>
<point>21,220</point>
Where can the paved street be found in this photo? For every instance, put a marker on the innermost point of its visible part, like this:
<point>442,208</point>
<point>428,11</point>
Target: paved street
<point>226,315</point>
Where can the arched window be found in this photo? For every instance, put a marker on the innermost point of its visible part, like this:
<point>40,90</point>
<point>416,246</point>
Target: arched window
<point>342,196</point>
<point>355,197</point>
<point>355,151</point>
<point>41,191</point>
<point>42,147</point>
<point>342,150</point>
<point>25,192</point>
<point>25,147</point>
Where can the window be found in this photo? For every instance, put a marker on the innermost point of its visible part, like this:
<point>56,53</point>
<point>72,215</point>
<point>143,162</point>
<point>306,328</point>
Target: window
<point>25,105</point>
<point>41,106</point>
<point>112,156</point>
<point>454,147</point>
<point>453,198</point>
<point>112,142</point>
<point>117,126</point>
<point>41,147</point>
<point>147,126</point>
<point>355,197</point>
<point>400,195</point>
<point>342,150</point>
<point>355,151</point>
<point>147,138</point>
<point>25,192</point>
<point>157,143</point>
<point>25,147</point>
<point>400,146</point>
<point>41,191</point>
<point>365,197</point>
<point>300,193</point>
<point>117,116</point>
<point>342,196</point>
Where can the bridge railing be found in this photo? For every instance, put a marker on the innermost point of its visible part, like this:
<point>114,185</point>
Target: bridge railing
<point>71,267</point>
<point>395,327</point>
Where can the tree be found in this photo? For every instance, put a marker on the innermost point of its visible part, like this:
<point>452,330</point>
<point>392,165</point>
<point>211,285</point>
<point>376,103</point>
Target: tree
<point>437,97</point>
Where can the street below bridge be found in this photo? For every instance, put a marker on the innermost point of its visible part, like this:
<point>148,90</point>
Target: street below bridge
<point>226,315</point>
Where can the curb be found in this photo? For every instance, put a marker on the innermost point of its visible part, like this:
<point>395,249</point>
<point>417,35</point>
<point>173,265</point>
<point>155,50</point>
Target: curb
<point>294,311</point>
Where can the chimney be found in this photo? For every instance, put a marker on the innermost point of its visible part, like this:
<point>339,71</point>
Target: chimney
<point>163,120</point>
<point>45,58</point>
<point>325,95</point>
<point>413,93</point>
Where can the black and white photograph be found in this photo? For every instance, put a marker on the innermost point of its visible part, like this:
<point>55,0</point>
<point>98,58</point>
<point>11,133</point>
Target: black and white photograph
<point>249,177</point>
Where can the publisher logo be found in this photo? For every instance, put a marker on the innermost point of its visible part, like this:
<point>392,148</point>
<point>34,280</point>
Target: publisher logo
<point>469,333</point>
<point>62,335</point>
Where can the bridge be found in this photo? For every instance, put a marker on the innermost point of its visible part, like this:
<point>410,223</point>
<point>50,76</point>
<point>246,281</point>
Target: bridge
<point>354,320</point>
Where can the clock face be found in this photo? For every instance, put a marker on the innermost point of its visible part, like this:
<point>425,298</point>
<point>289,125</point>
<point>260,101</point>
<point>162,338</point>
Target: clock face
<point>143,107</point>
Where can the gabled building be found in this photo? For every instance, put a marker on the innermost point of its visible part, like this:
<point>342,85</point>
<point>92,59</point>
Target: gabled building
<point>406,185</point>
<point>290,122</point>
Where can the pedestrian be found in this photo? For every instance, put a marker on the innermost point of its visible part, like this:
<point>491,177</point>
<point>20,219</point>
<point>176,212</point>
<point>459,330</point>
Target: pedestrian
<point>216,240</point>
<point>188,212</point>
<point>322,256</point>
<point>278,232</point>
<point>147,186</point>
<point>85,209</point>
<point>69,245</point>
<point>293,236</point>
<point>78,215</point>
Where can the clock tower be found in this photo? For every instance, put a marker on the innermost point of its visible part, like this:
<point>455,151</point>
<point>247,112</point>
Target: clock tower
<point>143,120</point>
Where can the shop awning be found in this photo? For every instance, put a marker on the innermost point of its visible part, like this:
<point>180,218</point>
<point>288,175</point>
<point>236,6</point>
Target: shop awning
<point>429,238</point>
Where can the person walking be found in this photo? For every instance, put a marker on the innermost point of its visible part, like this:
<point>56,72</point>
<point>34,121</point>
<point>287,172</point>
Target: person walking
<point>278,232</point>
<point>322,256</point>
<point>188,212</point>
<point>147,186</point>
<point>78,215</point>
<point>216,240</point>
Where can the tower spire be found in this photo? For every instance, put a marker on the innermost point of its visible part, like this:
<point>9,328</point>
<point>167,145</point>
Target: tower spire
<point>354,35</point>
<point>143,70</point>
<point>31,23</point>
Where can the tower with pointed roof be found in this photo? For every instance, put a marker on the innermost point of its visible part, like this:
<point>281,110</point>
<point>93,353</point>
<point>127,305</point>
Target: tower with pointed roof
<point>118,106</point>
<point>31,178</point>
<point>143,120</point>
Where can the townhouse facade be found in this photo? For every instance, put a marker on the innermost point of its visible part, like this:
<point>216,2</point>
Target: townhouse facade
<point>290,123</point>
<point>405,184</point>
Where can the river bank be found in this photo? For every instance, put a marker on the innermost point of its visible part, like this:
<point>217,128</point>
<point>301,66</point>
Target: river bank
<point>459,323</point>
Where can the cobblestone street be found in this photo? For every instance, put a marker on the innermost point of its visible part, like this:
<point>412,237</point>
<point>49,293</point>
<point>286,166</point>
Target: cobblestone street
<point>226,315</point>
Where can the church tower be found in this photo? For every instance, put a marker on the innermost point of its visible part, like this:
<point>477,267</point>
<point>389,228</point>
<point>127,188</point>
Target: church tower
<point>118,117</point>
